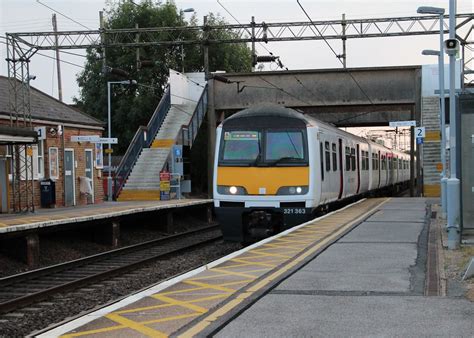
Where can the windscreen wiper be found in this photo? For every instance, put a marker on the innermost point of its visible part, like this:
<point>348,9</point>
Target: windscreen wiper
<point>287,158</point>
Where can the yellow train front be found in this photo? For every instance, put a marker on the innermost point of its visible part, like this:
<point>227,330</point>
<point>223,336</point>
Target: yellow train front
<point>262,177</point>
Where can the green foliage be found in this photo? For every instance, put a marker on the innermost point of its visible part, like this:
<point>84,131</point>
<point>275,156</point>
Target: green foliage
<point>133,106</point>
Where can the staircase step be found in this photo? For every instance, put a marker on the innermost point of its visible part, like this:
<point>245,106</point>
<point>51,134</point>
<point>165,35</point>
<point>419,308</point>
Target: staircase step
<point>139,195</point>
<point>164,143</point>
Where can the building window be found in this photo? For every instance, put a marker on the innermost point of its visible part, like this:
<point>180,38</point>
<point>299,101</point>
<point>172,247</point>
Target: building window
<point>53,163</point>
<point>40,159</point>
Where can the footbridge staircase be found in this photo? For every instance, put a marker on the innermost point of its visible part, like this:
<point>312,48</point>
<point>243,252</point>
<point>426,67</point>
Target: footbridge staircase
<point>176,120</point>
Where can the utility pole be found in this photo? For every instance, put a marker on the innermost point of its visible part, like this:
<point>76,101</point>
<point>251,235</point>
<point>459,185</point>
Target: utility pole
<point>453,184</point>
<point>254,56</point>
<point>344,38</point>
<point>58,62</point>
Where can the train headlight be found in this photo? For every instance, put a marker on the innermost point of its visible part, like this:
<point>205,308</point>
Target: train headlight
<point>231,190</point>
<point>293,190</point>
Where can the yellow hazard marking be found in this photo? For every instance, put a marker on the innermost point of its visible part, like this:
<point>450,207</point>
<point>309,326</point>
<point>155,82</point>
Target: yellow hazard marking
<point>211,286</point>
<point>234,273</point>
<point>251,263</point>
<point>176,302</point>
<point>135,326</point>
<point>267,254</point>
<point>199,327</point>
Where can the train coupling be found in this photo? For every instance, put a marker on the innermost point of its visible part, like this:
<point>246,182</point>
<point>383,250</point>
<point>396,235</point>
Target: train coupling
<point>262,224</point>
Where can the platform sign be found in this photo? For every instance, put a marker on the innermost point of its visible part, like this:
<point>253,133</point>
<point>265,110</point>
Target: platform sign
<point>165,185</point>
<point>420,132</point>
<point>395,124</point>
<point>419,140</point>
<point>94,139</point>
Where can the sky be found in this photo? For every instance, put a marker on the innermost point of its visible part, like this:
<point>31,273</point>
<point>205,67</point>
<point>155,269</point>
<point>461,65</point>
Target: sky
<point>31,16</point>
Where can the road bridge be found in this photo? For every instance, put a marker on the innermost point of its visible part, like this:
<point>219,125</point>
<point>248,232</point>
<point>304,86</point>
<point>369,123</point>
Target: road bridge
<point>344,97</point>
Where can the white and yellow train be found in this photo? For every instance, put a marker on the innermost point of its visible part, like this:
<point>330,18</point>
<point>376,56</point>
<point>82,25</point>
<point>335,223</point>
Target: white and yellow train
<point>275,167</point>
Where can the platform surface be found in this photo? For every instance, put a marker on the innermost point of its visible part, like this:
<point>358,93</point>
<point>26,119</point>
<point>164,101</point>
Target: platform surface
<point>370,283</point>
<point>358,271</point>
<point>52,217</point>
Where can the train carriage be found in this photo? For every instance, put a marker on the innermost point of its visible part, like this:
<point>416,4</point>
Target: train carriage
<point>274,167</point>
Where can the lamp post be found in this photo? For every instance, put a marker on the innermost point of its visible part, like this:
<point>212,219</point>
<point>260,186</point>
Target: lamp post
<point>186,10</point>
<point>440,54</point>
<point>109,128</point>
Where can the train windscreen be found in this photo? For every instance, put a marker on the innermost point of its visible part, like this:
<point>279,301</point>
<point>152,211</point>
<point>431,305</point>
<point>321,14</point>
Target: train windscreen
<point>263,147</point>
<point>241,146</point>
<point>280,145</point>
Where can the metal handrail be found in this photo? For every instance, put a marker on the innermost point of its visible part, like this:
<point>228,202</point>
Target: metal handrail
<point>189,132</point>
<point>143,137</point>
<point>128,160</point>
<point>159,115</point>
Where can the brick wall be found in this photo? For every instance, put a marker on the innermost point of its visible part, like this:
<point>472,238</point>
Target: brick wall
<point>64,142</point>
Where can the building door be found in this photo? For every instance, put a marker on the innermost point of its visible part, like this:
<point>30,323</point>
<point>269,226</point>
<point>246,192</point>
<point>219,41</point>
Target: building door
<point>89,174</point>
<point>3,185</point>
<point>69,189</point>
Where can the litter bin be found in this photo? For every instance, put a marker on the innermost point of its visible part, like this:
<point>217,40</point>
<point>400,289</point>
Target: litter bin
<point>48,193</point>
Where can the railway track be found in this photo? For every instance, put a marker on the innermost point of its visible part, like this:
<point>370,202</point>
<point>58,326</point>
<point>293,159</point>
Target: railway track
<point>33,286</point>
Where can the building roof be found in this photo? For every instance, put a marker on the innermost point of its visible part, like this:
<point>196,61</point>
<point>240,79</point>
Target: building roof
<point>45,107</point>
<point>14,135</point>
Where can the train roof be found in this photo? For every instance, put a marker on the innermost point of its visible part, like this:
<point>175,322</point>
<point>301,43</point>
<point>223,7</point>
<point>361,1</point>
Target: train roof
<point>268,110</point>
<point>279,111</point>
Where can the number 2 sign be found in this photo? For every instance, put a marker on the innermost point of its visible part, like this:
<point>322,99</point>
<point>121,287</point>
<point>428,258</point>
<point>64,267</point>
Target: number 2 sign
<point>420,132</point>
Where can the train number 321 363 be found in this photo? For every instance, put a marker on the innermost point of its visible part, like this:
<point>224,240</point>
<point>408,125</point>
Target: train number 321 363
<point>290,211</point>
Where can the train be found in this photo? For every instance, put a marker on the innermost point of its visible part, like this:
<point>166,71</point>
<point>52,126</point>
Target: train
<point>275,168</point>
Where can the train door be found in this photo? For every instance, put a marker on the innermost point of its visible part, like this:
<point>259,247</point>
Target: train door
<point>341,170</point>
<point>358,167</point>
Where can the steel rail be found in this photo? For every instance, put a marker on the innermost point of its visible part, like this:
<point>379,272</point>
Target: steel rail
<point>65,276</point>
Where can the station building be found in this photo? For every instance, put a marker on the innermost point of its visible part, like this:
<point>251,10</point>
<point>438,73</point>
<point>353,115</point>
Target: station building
<point>54,155</point>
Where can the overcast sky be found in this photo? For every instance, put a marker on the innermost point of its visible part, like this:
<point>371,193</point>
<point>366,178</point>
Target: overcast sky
<point>29,15</point>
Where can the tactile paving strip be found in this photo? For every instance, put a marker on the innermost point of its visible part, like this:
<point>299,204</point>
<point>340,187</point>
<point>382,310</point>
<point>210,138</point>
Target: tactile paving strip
<point>208,295</point>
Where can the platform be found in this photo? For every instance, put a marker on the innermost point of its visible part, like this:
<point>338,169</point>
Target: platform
<point>358,271</point>
<point>92,212</point>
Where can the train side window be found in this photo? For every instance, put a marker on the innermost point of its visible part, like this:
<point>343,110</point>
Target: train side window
<point>353,159</point>
<point>362,155</point>
<point>400,164</point>
<point>348,159</point>
<point>366,160</point>
<point>321,158</point>
<point>328,156</point>
<point>334,157</point>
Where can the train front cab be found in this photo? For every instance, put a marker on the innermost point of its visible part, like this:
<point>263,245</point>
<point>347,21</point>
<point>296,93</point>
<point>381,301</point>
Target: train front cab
<point>262,176</point>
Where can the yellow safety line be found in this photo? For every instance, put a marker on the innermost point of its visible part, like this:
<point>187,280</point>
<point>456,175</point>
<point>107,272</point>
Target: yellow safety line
<point>136,326</point>
<point>199,327</point>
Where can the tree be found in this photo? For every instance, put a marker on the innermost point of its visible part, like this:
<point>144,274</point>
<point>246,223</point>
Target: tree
<point>133,106</point>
